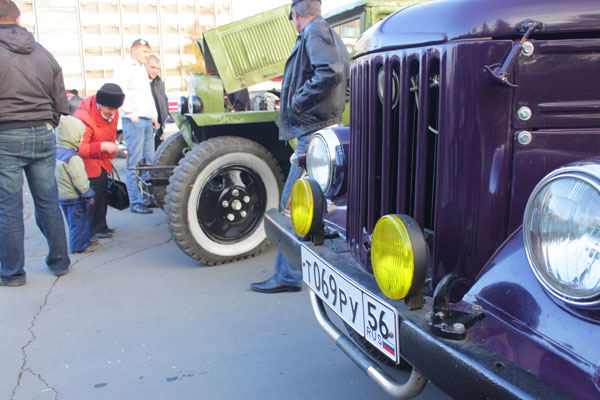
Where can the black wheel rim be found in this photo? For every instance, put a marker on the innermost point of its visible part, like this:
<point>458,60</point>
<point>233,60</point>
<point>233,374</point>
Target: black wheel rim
<point>231,203</point>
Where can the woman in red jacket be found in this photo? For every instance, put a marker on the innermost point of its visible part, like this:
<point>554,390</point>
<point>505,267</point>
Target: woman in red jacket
<point>100,114</point>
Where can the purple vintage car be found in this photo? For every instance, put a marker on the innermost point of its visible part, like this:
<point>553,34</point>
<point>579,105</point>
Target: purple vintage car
<point>462,232</point>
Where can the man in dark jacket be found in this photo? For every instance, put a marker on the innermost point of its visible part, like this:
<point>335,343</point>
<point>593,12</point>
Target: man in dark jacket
<point>160,97</point>
<point>312,97</point>
<point>74,100</point>
<point>32,97</point>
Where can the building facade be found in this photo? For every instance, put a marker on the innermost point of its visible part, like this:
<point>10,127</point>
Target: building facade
<point>90,37</point>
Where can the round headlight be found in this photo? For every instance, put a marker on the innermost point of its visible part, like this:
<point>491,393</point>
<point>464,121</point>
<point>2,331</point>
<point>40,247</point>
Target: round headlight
<point>306,206</point>
<point>561,231</point>
<point>324,161</point>
<point>399,256</point>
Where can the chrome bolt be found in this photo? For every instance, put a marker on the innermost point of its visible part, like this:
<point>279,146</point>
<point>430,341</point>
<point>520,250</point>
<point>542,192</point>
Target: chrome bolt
<point>476,308</point>
<point>225,204</point>
<point>236,205</point>
<point>246,199</point>
<point>527,49</point>
<point>524,113</point>
<point>458,328</point>
<point>235,192</point>
<point>524,138</point>
<point>230,217</point>
<point>243,214</point>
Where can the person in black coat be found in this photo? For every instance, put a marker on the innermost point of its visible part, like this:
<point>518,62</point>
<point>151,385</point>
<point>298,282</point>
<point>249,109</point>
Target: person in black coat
<point>160,97</point>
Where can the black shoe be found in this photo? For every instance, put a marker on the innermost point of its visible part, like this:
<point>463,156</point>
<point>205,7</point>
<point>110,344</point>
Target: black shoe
<point>110,230</point>
<point>64,271</point>
<point>18,282</point>
<point>271,286</point>
<point>140,209</point>
<point>103,235</point>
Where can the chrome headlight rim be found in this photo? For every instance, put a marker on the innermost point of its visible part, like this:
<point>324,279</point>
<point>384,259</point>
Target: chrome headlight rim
<point>589,173</point>
<point>335,154</point>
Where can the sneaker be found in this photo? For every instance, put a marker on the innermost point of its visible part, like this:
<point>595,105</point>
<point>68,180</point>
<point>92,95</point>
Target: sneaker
<point>88,250</point>
<point>18,282</point>
<point>140,209</point>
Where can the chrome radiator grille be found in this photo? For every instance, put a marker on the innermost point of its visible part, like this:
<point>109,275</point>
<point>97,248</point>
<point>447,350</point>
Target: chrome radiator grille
<point>393,142</point>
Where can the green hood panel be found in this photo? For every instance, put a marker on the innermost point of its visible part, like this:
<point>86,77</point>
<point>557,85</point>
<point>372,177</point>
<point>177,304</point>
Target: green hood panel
<point>251,50</point>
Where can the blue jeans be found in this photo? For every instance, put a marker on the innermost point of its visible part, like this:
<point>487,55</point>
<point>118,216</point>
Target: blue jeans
<point>33,151</point>
<point>139,139</point>
<point>285,273</point>
<point>76,214</point>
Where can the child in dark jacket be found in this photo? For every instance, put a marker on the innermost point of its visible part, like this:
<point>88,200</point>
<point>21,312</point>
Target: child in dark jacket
<point>74,191</point>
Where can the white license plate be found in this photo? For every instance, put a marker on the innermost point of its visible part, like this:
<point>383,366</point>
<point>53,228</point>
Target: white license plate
<point>375,321</point>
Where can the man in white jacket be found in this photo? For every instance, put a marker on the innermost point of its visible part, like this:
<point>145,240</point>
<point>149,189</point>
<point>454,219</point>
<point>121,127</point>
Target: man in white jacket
<point>138,117</point>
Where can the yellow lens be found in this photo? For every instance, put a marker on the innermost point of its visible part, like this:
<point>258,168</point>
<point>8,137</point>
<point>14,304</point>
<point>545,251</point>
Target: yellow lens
<point>392,257</point>
<point>302,207</point>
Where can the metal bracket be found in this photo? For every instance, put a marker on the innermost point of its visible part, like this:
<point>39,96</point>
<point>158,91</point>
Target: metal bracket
<point>447,323</point>
<point>498,72</point>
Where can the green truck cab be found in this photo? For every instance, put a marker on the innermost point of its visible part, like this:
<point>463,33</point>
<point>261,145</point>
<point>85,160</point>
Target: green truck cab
<point>217,176</point>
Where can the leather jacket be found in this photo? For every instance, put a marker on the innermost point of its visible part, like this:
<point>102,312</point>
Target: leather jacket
<point>313,91</point>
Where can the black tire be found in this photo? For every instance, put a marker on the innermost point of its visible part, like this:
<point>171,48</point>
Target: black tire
<point>217,197</point>
<point>170,151</point>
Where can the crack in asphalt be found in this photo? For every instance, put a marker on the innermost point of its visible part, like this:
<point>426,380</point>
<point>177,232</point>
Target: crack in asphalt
<point>31,328</point>
<point>24,369</point>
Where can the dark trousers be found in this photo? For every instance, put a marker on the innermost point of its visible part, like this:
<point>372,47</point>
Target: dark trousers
<point>97,213</point>
<point>157,139</point>
<point>76,214</point>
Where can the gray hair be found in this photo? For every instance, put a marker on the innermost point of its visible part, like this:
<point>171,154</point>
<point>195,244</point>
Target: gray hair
<point>308,8</point>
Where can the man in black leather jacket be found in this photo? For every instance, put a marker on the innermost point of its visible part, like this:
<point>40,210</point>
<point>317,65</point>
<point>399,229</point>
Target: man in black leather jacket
<point>312,97</point>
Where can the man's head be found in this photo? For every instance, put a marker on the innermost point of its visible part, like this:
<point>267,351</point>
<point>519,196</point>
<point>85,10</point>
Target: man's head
<point>74,92</point>
<point>140,50</point>
<point>109,98</point>
<point>303,11</point>
<point>9,12</point>
<point>153,66</point>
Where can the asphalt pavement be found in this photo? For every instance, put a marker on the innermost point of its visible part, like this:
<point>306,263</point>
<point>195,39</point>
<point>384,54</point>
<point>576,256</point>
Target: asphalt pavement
<point>138,319</point>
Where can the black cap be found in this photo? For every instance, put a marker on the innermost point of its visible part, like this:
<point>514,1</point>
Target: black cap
<point>110,95</point>
<point>295,2</point>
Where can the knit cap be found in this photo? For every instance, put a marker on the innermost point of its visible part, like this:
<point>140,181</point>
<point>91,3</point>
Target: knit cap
<point>110,95</point>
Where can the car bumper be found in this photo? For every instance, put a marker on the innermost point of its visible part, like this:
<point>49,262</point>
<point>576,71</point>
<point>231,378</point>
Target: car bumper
<point>461,368</point>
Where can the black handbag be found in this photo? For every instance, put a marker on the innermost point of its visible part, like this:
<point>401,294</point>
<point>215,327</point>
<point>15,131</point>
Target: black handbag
<point>116,195</point>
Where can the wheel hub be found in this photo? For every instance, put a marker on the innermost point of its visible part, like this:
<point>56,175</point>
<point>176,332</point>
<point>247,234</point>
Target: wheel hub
<point>231,203</point>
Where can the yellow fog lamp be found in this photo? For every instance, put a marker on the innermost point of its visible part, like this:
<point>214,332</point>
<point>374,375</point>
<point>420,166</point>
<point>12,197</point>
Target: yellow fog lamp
<point>399,256</point>
<point>307,206</point>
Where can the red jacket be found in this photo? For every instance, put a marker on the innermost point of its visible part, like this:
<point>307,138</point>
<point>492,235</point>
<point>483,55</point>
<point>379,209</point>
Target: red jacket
<point>97,130</point>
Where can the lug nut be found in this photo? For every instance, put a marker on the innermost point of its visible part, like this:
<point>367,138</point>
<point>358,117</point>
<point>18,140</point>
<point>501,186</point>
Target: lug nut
<point>230,217</point>
<point>225,204</point>
<point>243,214</point>
<point>524,113</point>
<point>235,192</point>
<point>246,199</point>
<point>236,205</point>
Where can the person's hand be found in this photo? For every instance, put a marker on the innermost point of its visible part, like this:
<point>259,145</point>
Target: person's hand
<point>135,121</point>
<point>91,201</point>
<point>154,123</point>
<point>109,147</point>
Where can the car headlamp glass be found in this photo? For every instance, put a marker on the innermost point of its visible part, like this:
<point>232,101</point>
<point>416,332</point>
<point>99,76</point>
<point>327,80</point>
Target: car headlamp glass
<point>399,256</point>
<point>561,231</point>
<point>321,161</point>
<point>306,207</point>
